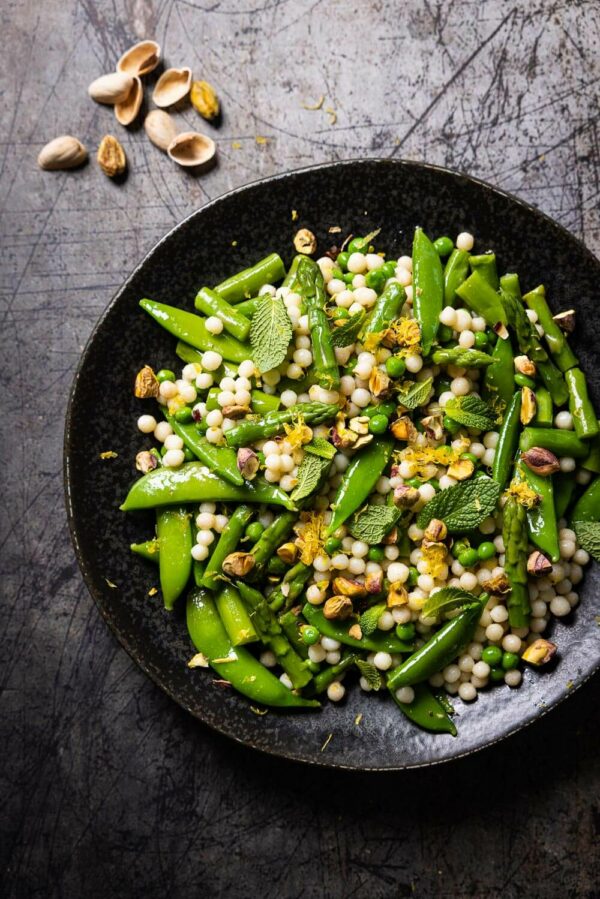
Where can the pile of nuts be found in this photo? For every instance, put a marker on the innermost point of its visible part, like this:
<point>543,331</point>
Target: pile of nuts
<point>123,91</point>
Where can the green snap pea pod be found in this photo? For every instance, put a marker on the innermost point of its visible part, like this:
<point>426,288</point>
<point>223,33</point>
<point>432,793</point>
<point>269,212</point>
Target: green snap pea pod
<point>271,424</point>
<point>379,641</point>
<point>426,711</point>
<point>580,405</point>
<point>541,519</point>
<point>557,440</point>
<point>212,304</point>
<point>174,533</point>
<point>289,622</point>
<point>508,441</point>
<point>544,414</point>
<point>261,402</point>
<point>248,282</point>
<point>244,672</point>
<point>479,296</point>
<point>149,550</point>
<point>455,272</point>
<point>592,460</point>
<point>359,479</point>
<point>514,534</point>
<point>198,572</point>
<point>301,385</point>
<point>189,353</point>
<point>528,339</point>
<point>222,460</point>
<point>310,285</point>
<point>272,537</point>
<point>227,543</point>
<point>387,307</point>
<point>271,634</point>
<point>330,674</point>
<point>587,507</point>
<point>234,615</point>
<point>428,288</point>
<point>291,272</point>
<point>191,329</point>
<point>486,266</point>
<point>563,484</point>
<point>249,307</point>
<point>457,355</point>
<point>439,650</point>
<point>194,483</point>
<point>556,339</point>
<point>500,376</point>
<point>285,594</point>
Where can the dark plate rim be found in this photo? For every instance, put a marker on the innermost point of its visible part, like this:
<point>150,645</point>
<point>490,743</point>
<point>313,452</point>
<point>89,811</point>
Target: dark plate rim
<point>68,437</point>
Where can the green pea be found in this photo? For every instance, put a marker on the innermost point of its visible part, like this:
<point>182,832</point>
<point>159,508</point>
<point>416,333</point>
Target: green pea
<point>470,457</point>
<point>261,457</point>
<point>444,333</point>
<point>165,374</point>
<point>434,483</point>
<point>163,450</point>
<point>188,455</point>
<point>492,338</point>
<point>342,260</point>
<point>348,277</point>
<point>481,340</point>
<point>337,273</point>
<point>341,313</point>
<point>405,631</point>
<point>468,558</point>
<point>201,427</point>
<point>310,635</point>
<point>414,482</point>
<point>524,381</point>
<point>276,566</point>
<point>492,655</point>
<point>254,531</point>
<point>387,409</point>
<point>357,245</point>
<point>332,545</point>
<point>458,547</point>
<point>442,385</point>
<point>451,426</point>
<point>370,411</point>
<point>496,675</point>
<point>184,416</point>
<point>389,269</point>
<point>443,246</point>
<point>376,554</point>
<point>486,550</point>
<point>375,280</point>
<point>510,660</point>
<point>351,365</point>
<point>378,424</point>
<point>413,576</point>
<point>395,366</point>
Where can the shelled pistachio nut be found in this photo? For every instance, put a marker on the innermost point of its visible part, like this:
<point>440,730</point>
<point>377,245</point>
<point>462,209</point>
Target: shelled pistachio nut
<point>204,100</point>
<point>111,156</point>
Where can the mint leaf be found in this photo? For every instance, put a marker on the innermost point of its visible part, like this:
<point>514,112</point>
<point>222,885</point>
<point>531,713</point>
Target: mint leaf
<point>344,335</point>
<point>370,674</point>
<point>270,333</point>
<point>470,411</point>
<point>445,600</point>
<point>373,523</point>
<point>370,617</point>
<point>415,395</point>
<point>588,535</point>
<point>462,507</point>
<point>320,447</point>
<point>309,476</point>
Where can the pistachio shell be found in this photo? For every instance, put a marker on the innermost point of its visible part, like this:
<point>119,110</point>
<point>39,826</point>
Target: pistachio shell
<point>127,109</point>
<point>64,152</point>
<point>172,86</point>
<point>160,128</point>
<point>111,89</point>
<point>191,148</point>
<point>140,59</point>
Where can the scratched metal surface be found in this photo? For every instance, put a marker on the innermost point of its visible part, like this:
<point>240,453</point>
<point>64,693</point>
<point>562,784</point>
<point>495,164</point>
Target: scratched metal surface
<point>109,789</point>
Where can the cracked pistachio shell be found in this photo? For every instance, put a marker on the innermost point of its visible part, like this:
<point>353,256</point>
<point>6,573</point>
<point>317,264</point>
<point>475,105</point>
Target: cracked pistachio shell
<point>191,148</point>
<point>140,59</point>
<point>172,86</point>
<point>127,110</point>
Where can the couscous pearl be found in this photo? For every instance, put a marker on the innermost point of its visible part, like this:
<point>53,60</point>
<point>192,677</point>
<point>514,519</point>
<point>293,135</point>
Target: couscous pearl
<point>499,614</point>
<point>466,339</point>
<point>567,464</point>
<point>146,424</point>
<point>365,685</point>
<point>563,420</point>
<point>481,669</point>
<point>200,552</point>
<point>315,596</point>
<point>167,390</point>
<point>401,614</point>
<point>385,622</point>
<point>335,286</point>
<point>539,608</point>
<point>214,418</point>
<point>339,561</point>
<point>451,674</point>
<point>581,557</point>
<point>382,661</point>
<point>478,323</point>
<point>403,276</point>
<point>316,653</point>
<point>205,520</point>
<point>360,549</point>
<point>374,261</point>
<point>213,324</point>
<point>460,386</point>
<point>205,538</point>
<point>408,290</point>
<point>475,649</point>
<point>513,678</point>
<point>347,385</point>
<point>467,692</point>
<point>344,299</point>
<point>466,663</point>
<point>268,658</point>
<point>303,358</point>
<point>226,398</point>
<point>405,695</point>
<point>465,241</point>
<point>537,625</point>
<point>271,378</point>
<point>366,296</point>
<point>204,380</point>
<point>397,573</point>
<point>567,548</point>
<point>415,533</point>
<point>173,442</point>
<point>488,457</point>
<point>286,462</point>
<point>335,691</point>
<point>560,606</point>
<point>427,492</point>
<point>494,632</point>
<point>246,368</point>
<point>479,682</point>
<point>273,462</point>
<point>445,397</point>
<point>356,566</point>
<point>414,364</point>
<point>361,397</point>
<point>468,580</point>
<point>446,481</point>
<point>463,320</point>
<point>406,262</point>
<point>333,657</point>
<point>490,440</point>
<point>357,263</point>
<point>289,398</point>
<point>511,643</point>
<point>211,361</point>
<point>321,563</point>
<point>173,458</point>
<point>214,435</point>
<point>448,317</point>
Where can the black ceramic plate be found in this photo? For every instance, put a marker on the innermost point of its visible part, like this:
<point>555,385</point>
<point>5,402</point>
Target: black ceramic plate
<point>219,239</point>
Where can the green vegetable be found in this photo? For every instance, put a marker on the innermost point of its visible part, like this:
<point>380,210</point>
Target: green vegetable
<point>580,405</point>
<point>587,507</point>
<point>479,296</point>
<point>311,287</point>
<point>273,423</point>
<point>210,303</point>
<point>370,673</point>
<point>381,641</point>
<point>174,533</point>
<point>455,272</point>
<point>221,460</point>
<point>462,507</point>
<point>372,523</point>
<point>514,534</point>
<point>428,288</point>
<point>378,424</point>
<point>248,282</point>
<point>270,333</point>
<point>426,711</point>
<point>191,329</point>
<point>486,266</point>
<point>541,519</point>
<point>457,355</point>
<point>499,382</point>
<point>395,366</point>
<point>557,440</point>
<point>226,544</point>
<point>508,441</point>
<point>491,655</point>
<point>557,342</point>
<point>234,616</point>
<point>443,246</point>
<point>149,550</point>
<point>385,310</point>
<point>358,480</point>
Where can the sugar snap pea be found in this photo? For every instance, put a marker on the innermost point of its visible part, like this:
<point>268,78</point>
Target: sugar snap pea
<point>514,534</point>
<point>541,518</point>
<point>174,534</point>
<point>273,423</point>
<point>359,479</point>
<point>544,414</point>
<point>479,296</point>
<point>557,440</point>
<point>556,339</point>
<point>235,617</point>
<point>580,405</point>
<point>379,641</point>
<point>212,304</point>
<point>508,442</point>
<point>458,355</point>
<point>248,282</point>
<point>191,329</point>
<point>222,460</point>
<point>149,550</point>
<point>387,307</point>
<point>309,283</point>
<point>428,288</point>
<point>426,711</point>
<point>226,544</point>
<point>587,507</point>
<point>563,485</point>
<point>500,376</point>
<point>486,266</point>
<point>455,272</point>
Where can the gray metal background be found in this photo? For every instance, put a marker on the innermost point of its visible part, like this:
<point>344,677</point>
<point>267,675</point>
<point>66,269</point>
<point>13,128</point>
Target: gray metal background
<point>108,788</point>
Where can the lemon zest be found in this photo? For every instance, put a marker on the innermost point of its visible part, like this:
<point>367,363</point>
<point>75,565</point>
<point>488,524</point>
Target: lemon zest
<point>311,531</point>
<point>523,494</point>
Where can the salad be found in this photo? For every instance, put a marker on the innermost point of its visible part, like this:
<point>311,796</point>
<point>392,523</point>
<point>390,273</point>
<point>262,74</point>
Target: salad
<point>371,468</point>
